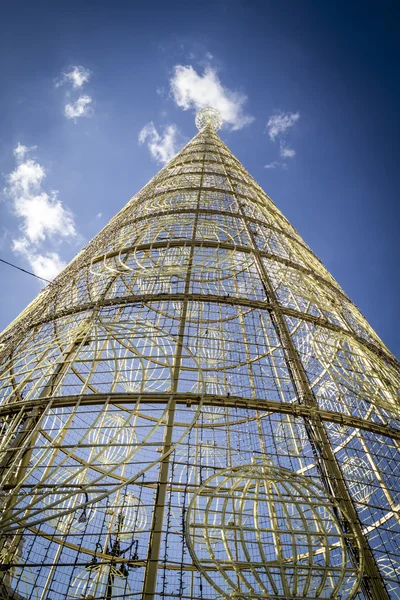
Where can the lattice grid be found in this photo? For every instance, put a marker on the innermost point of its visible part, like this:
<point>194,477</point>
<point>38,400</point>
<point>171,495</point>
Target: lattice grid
<point>194,409</point>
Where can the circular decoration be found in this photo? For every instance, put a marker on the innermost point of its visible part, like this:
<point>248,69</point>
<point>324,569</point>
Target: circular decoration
<point>209,346</point>
<point>65,480</point>
<point>100,581</point>
<point>126,517</point>
<point>112,437</point>
<point>208,117</point>
<point>156,272</point>
<point>302,337</point>
<point>390,570</point>
<point>137,356</point>
<point>359,478</point>
<point>208,229</point>
<point>51,428</point>
<point>330,398</point>
<point>195,464</point>
<point>65,506</point>
<point>294,287</point>
<point>290,437</point>
<point>357,369</point>
<point>278,536</point>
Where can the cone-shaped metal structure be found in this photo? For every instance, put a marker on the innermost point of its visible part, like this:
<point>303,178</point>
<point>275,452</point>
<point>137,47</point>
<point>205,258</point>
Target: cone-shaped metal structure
<point>195,409</point>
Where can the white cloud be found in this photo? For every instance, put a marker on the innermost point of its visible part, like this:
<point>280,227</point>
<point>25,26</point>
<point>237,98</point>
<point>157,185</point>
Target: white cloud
<point>273,165</point>
<point>79,108</point>
<point>193,91</point>
<point>280,123</point>
<point>45,265</point>
<point>286,152</point>
<point>43,215</point>
<point>209,56</point>
<point>20,151</point>
<point>77,76</point>
<point>48,265</point>
<point>162,147</point>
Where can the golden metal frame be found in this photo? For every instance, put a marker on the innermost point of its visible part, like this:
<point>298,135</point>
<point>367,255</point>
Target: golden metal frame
<point>197,337</point>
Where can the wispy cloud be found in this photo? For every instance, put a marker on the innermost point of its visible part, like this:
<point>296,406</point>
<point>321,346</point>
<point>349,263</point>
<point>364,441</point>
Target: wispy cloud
<point>162,147</point>
<point>279,123</point>
<point>77,76</point>
<point>273,165</point>
<point>79,108</point>
<point>42,215</point>
<point>193,91</point>
<point>286,152</point>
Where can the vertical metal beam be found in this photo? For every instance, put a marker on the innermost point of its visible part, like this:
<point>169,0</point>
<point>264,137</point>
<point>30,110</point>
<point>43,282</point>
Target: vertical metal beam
<point>150,578</point>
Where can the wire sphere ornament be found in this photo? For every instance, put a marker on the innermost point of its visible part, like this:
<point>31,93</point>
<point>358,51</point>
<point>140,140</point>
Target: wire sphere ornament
<point>390,570</point>
<point>359,478</point>
<point>209,117</point>
<point>330,398</point>
<point>137,357</point>
<point>64,481</point>
<point>279,536</point>
<point>112,438</point>
<point>51,428</point>
<point>290,437</point>
<point>358,370</point>
<point>210,346</point>
<point>126,516</point>
<point>301,290</point>
<point>158,273</point>
<point>194,465</point>
<point>101,581</point>
<point>218,384</point>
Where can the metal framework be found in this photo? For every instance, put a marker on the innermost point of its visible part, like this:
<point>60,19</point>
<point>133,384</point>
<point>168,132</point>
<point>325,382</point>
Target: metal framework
<point>194,409</point>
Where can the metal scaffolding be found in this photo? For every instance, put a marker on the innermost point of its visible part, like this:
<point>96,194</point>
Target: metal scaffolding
<point>194,409</point>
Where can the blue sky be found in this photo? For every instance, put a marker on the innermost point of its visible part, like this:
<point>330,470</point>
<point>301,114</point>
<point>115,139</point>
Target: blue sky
<point>95,95</point>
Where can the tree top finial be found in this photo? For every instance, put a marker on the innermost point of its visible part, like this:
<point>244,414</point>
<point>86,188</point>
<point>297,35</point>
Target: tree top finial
<point>208,116</point>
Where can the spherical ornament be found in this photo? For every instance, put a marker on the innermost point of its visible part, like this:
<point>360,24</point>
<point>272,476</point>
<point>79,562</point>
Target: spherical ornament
<point>270,533</point>
<point>290,437</point>
<point>358,370</point>
<point>112,436</point>
<point>126,516</point>
<point>68,495</point>
<point>303,343</point>
<point>194,465</point>
<point>159,272</point>
<point>208,117</point>
<point>359,478</point>
<point>209,346</point>
<point>330,398</point>
<point>140,356</point>
<point>390,570</point>
<point>100,581</point>
<point>214,385</point>
<point>51,427</point>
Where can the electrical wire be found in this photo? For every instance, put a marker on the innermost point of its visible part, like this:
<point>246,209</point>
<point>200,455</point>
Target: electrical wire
<point>23,270</point>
